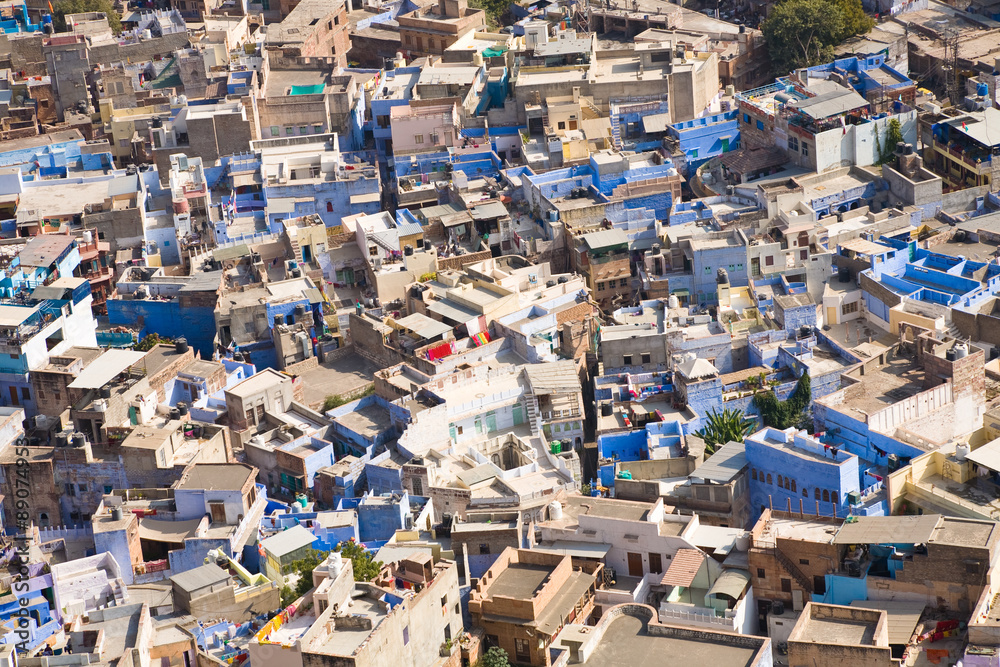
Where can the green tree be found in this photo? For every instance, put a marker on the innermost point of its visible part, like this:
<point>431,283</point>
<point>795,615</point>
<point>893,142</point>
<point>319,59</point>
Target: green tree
<point>785,414</point>
<point>495,657</point>
<point>730,425</point>
<point>855,21</point>
<point>893,135</point>
<point>150,341</point>
<point>365,566</point>
<point>64,7</point>
<point>801,33</point>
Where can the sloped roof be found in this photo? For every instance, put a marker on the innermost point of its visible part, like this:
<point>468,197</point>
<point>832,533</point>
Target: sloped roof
<point>697,368</point>
<point>683,568</point>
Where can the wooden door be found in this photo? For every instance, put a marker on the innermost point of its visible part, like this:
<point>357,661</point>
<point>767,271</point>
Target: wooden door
<point>634,565</point>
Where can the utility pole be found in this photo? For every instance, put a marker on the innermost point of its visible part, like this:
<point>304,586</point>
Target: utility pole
<point>951,44</point>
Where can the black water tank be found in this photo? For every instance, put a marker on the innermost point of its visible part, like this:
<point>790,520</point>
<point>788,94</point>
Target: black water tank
<point>563,280</point>
<point>279,319</point>
<point>62,439</point>
<point>950,355</point>
<point>182,408</point>
<point>105,392</point>
<point>805,331</point>
<point>408,250</point>
<point>844,274</point>
<point>778,607</point>
<point>300,312</point>
<point>181,345</point>
<point>79,440</point>
<point>175,413</point>
<point>607,409</point>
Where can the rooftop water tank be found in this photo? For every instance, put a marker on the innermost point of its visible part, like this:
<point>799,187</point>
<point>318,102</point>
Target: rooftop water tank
<point>961,351</point>
<point>673,301</point>
<point>555,510</point>
<point>961,451</point>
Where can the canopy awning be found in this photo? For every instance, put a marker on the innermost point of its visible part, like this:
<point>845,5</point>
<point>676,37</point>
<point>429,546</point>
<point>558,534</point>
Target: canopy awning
<point>732,584</point>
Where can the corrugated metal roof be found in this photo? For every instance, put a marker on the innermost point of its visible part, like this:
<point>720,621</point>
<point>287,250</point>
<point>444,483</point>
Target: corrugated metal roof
<point>888,530</point>
<point>903,617</point>
<point>557,377</point>
<point>488,211</point>
<point>288,541</point>
<point>409,229</point>
<point>605,238</point>
<point>831,103</point>
<point>200,577</point>
<point>987,456</point>
<point>657,122</point>
<point>105,368</point>
<point>723,465</point>
<point>576,549</point>
<point>683,568</point>
<point>423,326</point>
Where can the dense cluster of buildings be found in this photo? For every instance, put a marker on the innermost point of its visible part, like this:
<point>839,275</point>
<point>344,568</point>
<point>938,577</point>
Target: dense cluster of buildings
<point>379,334</point>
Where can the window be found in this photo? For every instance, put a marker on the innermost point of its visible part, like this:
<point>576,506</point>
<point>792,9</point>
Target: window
<point>627,360</point>
<point>787,485</point>
<point>803,561</point>
<point>780,481</point>
<point>646,357</point>
<point>655,563</point>
<point>769,478</point>
<point>275,131</point>
<point>694,154</point>
<point>418,138</point>
<point>600,287</point>
<point>793,144</point>
<point>760,573</point>
<point>793,486</point>
<point>819,584</point>
<point>123,143</point>
<point>434,137</point>
<point>833,497</point>
<point>336,20</point>
<point>623,282</point>
<point>82,487</point>
<point>803,254</point>
<point>826,496</point>
<point>484,549</point>
<point>805,492</point>
<point>753,474</point>
<point>786,585</point>
<point>406,39</point>
<point>289,131</point>
<point>458,429</point>
<point>849,308</point>
<point>25,394</point>
<point>521,650</point>
<point>769,260</point>
<point>329,25</point>
<point>805,149</point>
<point>746,118</point>
<point>562,125</point>
<point>303,130</point>
<point>317,128</point>
<point>70,490</point>
<point>760,125</point>
<point>329,207</point>
<point>817,493</point>
<point>406,635</point>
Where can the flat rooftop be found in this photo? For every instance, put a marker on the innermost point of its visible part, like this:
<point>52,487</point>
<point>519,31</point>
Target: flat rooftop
<point>899,379</point>
<point>628,642</point>
<point>519,581</point>
<point>836,631</point>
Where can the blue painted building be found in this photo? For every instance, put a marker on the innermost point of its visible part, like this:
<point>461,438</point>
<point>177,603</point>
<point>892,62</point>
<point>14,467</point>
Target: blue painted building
<point>703,138</point>
<point>655,440</point>
<point>789,468</point>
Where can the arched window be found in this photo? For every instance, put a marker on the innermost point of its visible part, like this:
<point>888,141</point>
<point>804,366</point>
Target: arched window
<point>329,207</point>
<point>817,494</point>
<point>753,474</point>
<point>793,486</point>
<point>780,482</point>
<point>805,492</point>
<point>826,496</point>
<point>769,478</point>
<point>833,497</point>
<point>788,484</point>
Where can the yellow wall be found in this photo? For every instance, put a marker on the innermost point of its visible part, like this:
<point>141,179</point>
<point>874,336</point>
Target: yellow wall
<point>897,317</point>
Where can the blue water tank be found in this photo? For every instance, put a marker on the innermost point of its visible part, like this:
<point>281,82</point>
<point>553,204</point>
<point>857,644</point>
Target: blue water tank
<point>46,18</point>
<point>982,90</point>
